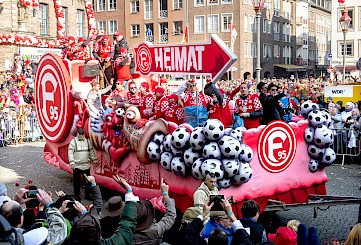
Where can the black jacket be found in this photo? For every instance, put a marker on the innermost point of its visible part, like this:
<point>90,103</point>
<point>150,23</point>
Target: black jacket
<point>256,230</point>
<point>271,108</point>
<point>210,88</point>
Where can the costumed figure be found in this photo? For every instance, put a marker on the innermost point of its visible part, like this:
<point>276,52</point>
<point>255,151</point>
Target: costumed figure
<point>133,95</point>
<point>221,111</point>
<point>160,103</point>
<point>104,52</point>
<point>66,51</point>
<point>164,84</point>
<point>174,112</point>
<point>146,103</point>
<point>77,51</point>
<point>117,97</point>
<point>123,63</point>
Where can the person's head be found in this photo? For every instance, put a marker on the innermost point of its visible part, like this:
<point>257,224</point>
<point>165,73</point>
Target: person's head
<point>81,40</point>
<point>329,100</point>
<point>330,106</point>
<point>145,214</point>
<point>118,36</point>
<point>123,52</point>
<point>334,111</point>
<point>244,89</point>
<point>339,104</point>
<point>163,83</point>
<point>354,237</point>
<point>355,112</point>
<point>349,106</point>
<point>119,85</point>
<point>81,134</point>
<point>13,213</point>
<point>218,237</point>
<point>132,87</point>
<point>191,85</point>
<point>144,87</point>
<point>272,89</point>
<point>262,87</point>
<point>105,40</point>
<point>210,181</point>
<point>113,207</point>
<point>293,224</point>
<point>158,92</point>
<point>173,98</point>
<point>250,209</point>
<point>96,86</point>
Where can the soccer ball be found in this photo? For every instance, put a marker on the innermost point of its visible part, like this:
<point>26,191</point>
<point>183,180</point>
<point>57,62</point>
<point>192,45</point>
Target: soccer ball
<point>154,151</point>
<point>328,157</point>
<point>307,107</point>
<point>231,167</point>
<point>224,183</point>
<point>308,136</point>
<point>228,131</point>
<point>230,147</point>
<point>197,139</point>
<point>196,169</point>
<point>213,129</point>
<point>212,166</point>
<point>244,174</point>
<point>176,152</point>
<point>237,134</point>
<point>167,142</point>
<point>323,136</point>
<point>246,153</point>
<point>165,160</point>
<point>178,166</point>
<point>120,112</point>
<point>328,121</point>
<point>180,137</point>
<point>313,165</point>
<point>315,152</point>
<point>316,118</point>
<point>158,138</point>
<point>190,156</point>
<point>212,150</point>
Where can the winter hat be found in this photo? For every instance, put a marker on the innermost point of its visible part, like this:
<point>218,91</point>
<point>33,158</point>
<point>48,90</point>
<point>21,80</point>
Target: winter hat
<point>159,90</point>
<point>173,96</point>
<point>284,236</point>
<point>3,189</point>
<point>123,50</point>
<point>350,104</point>
<point>145,85</point>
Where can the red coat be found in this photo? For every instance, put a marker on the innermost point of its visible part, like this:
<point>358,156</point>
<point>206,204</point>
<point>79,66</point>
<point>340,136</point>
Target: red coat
<point>160,107</point>
<point>123,70</point>
<point>222,113</point>
<point>175,114</point>
<point>250,104</point>
<point>146,106</point>
<point>189,99</point>
<point>133,99</point>
<point>103,50</point>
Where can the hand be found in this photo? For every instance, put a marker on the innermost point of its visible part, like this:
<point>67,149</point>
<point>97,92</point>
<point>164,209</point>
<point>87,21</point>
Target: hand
<point>79,207</point>
<point>207,208</point>
<point>226,206</point>
<point>244,114</point>
<point>64,207</point>
<point>111,81</point>
<point>19,196</point>
<point>163,186</point>
<point>89,178</point>
<point>122,182</point>
<point>60,193</point>
<point>43,197</point>
<point>72,166</point>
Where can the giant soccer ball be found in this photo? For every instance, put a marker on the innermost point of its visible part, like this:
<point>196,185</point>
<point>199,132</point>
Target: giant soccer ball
<point>165,161</point>
<point>323,136</point>
<point>212,150</point>
<point>307,107</point>
<point>167,142</point>
<point>197,139</point>
<point>224,183</point>
<point>244,174</point>
<point>328,120</point>
<point>213,129</point>
<point>176,152</point>
<point>178,166</point>
<point>315,152</point>
<point>313,165</point>
<point>328,158</point>
<point>237,134</point>
<point>158,138</point>
<point>212,166</point>
<point>231,167</point>
<point>190,156</point>
<point>180,137</point>
<point>309,134</point>
<point>230,147</point>
<point>196,169</point>
<point>154,151</point>
<point>316,118</point>
<point>246,153</point>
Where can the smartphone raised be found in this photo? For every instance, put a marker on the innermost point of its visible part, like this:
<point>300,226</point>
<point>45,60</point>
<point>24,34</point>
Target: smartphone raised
<point>70,204</point>
<point>31,194</point>
<point>217,200</point>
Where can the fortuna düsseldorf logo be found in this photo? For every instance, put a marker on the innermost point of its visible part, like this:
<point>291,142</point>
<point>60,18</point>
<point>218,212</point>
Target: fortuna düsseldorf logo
<point>144,59</point>
<point>276,146</point>
<point>51,96</point>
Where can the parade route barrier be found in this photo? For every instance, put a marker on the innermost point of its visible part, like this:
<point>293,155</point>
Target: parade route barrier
<point>346,143</point>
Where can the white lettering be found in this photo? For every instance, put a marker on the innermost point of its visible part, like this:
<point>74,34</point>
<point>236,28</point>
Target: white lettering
<point>166,59</point>
<point>273,146</point>
<point>48,96</point>
<point>180,58</point>
<point>192,60</point>
<point>172,58</point>
<point>158,57</point>
<point>199,50</point>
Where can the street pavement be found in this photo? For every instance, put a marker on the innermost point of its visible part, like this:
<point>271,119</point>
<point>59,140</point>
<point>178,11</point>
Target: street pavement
<point>22,163</point>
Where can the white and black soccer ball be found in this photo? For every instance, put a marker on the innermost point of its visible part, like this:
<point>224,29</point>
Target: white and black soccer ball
<point>230,147</point>
<point>158,137</point>
<point>313,165</point>
<point>196,169</point>
<point>197,139</point>
<point>307,107</point>
<point>244,174</point>
<point>120,112</point>
<point>231,167</point>
<point>213,166</point>
<point>316,118</point>
<point>180,137</point>
<point>323,136</point>
<point>154,151</point>
<point>328,158</point>
<point>213,129</point>
<point>315,152</point>
<point>176,152</point>
<point>211,150</point>
<point>227,131</point>
<point>167,142</point>
<point>178,166</point>
<point>190,156</point>
<point>309,134</point>
<point>165,161</point>
<point>237,134</point>
<point>224,183</point>
<point>328,121</point>
<point>246,153</point>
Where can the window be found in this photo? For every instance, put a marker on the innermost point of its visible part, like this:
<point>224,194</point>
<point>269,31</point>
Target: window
<point>247,48</point>
<point>43,18</point>
<point>178,4</point>
<point>212,2</point>
<point>177,27</point>
<point>134,6</point>
<point>113,26</point>
<point>135,30</point>
<point>199,24</point>
<point>311,54</point>
<point>277,51</point>
<point>163,29</point>
<point>101,5</point>
<point>267,51</point>
<point>148,6</point>
<point>112,5</point>
<point>348,47</point>
<point>65,12</point>
<point>359,20</point>
<point>213,23</point>
<point>276,7</point>
<point>102,25</point>
<point>199,2</point>
<point>276,30</point>
<point>286,32</point>
<point>254,50</point>
<point>93,4</point>
<point>226,22</point>
<point>267,4</point>
<point>246,25</point>
<point>80,23</point>
<point>226,1</point>
<point>253,23</point>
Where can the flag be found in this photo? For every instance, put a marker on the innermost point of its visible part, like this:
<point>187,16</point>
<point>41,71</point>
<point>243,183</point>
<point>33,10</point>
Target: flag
<point>233,35</point>
<point>185,35</point>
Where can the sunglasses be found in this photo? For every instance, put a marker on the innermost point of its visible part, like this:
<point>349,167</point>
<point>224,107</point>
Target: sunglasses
<point>80,134</point>
<point>274,89</point>
<point>118,84</point>
<point>191,86</point>
<point>132,87</point>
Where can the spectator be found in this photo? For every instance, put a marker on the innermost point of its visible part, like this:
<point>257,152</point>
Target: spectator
<point>146,102</point>
<point>293,224</point>
<point>262,89</point>
<point>339,106</point>
<point>218,219</point>
<point>354,237</point>
<point>207,188</point>
<point>160,103</point>
<point>110,213</point>
<point>123,64</point>
<point>347,112</point>
<point>3,194</point>
<point>271,110</point>
<point>284,235</point>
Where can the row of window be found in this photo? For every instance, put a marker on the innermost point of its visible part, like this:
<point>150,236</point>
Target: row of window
<point>349,49</point>
<point>44,20</point>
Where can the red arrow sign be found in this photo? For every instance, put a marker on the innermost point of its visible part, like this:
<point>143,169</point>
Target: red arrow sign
<point>212,58</point>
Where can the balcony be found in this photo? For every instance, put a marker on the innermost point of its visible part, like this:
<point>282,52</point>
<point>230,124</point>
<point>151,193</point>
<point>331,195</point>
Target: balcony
<point>149,39</point>
<point>276,36</point>
<point>148,15</point>
<point>163,38</point>
<point>163,14</point>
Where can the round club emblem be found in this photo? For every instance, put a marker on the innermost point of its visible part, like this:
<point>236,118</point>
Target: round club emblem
<point>276,146</point>
<point>143,59</point>
<point>51,96</point>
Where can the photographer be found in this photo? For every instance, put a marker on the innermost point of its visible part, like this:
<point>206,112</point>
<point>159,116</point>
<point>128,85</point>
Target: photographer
<point>207,188</point>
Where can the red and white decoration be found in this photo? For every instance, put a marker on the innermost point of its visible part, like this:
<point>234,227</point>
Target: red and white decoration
<point>60,19</point>
<point>30,3</point>
<point>91,19</point>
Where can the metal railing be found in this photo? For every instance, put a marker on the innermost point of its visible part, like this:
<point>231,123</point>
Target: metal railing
<point>163,14</point>
<point>346,142</point>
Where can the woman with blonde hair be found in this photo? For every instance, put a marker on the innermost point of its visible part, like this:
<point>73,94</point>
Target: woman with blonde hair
<point>293,224</point>
<point>354,238</point>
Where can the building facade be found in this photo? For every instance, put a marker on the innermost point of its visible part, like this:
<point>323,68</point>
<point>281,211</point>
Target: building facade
<point>352,48</point>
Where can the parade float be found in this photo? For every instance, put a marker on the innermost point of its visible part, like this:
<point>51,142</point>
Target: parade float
<point>279,161</point>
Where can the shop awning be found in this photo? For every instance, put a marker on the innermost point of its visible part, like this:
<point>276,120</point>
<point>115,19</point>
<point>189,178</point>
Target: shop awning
<point>348,68</point>
<point>291,67</point>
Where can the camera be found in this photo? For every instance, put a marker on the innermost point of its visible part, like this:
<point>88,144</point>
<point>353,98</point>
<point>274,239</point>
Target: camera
<point>217,200</point>
<point>70,204</point>
<point>31,194</point>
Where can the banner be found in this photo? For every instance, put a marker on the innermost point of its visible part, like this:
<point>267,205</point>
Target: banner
<point>36,53</point>
<point>339,91</point>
